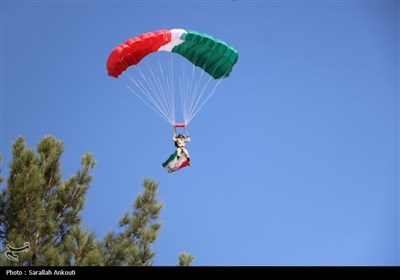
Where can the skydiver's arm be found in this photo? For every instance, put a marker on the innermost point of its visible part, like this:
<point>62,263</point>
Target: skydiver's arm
<point>174,137</point>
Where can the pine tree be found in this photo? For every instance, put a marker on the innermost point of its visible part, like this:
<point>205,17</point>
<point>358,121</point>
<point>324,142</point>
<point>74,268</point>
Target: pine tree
<point>132,246</point>
<point>39,208</point>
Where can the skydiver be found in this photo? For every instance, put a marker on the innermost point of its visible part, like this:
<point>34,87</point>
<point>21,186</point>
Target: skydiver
<point>180,144</point>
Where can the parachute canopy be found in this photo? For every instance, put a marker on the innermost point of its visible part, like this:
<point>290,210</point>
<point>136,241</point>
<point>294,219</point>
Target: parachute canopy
<point>168,67</point>
<point>212,55</point>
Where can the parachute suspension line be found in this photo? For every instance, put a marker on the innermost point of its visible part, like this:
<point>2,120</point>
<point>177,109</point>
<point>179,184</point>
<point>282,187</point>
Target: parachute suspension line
<point>155,85</point>
<point>159,89</point>
<point>165,88</point>
<point>200,95</point>
<point>149,93</point>
<point>183,95</point>
<point>189,92</point>
<point>172,85</point>
<point>185,82</point>
<point>146,93</point>
<point>151,107</point>
<point>188,87</point>
<point>193,90</point>
<point>209,94</point>
<point>183,89</point>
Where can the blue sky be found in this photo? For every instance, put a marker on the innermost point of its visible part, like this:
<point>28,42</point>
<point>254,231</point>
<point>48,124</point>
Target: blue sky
<point>295,158</point>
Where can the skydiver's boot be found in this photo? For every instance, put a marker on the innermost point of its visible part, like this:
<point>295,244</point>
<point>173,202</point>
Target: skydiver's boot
<point>189,163</point>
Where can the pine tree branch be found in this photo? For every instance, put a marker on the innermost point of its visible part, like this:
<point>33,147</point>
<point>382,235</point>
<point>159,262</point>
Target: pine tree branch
<point>185,259</point>
<point>4,220</point>
<point>67,204</point>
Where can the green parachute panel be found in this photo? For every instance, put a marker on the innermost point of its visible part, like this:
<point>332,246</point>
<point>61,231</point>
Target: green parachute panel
<point>212,55</point>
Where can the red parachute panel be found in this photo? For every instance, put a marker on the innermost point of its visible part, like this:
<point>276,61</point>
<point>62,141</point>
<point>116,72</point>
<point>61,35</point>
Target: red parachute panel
<point>134,50</point>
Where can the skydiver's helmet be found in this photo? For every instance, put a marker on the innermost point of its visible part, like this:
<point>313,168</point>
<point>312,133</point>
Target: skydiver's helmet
<point>181,136</point>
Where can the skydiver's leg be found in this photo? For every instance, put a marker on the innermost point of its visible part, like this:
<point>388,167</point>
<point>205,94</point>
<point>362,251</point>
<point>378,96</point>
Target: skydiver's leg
<point>186,152</point>
<point>178,152</point>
